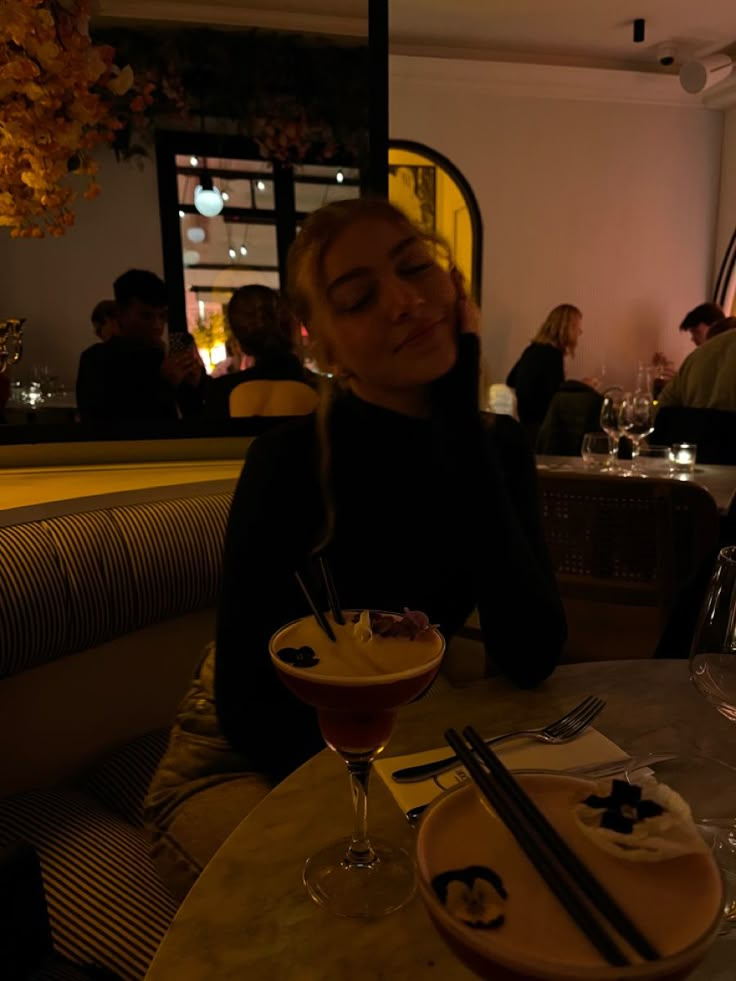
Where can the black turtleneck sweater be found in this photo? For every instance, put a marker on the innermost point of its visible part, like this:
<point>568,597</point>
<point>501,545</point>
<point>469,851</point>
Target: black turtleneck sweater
<point>437,515</point>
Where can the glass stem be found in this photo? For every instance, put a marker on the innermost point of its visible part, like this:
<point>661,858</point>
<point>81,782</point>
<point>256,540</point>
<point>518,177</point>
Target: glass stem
<point>360,851</point>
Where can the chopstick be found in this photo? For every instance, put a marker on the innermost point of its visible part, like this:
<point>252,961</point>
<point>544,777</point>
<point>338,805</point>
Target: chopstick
<point>582,875</point>
<point>332,598</point>
<point>318,615</point>
<point>566,876</point>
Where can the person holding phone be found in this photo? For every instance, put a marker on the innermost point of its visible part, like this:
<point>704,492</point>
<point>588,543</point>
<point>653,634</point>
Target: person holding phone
<point>132,377</point>
<point>416,498</point>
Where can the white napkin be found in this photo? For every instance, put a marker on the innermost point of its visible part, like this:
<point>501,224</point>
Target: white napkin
<point>519,754</point>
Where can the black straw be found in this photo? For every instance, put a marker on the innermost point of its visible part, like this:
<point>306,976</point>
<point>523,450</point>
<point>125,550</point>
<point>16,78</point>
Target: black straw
<point>318,615</point>
<point>332,597</point>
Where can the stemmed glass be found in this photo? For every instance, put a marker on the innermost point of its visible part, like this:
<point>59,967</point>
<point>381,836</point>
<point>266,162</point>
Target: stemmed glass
<point>713,672</point>
<point>356,693</point>
<point>713,650</point>
<point>636,419</point>
<point>610,420</point>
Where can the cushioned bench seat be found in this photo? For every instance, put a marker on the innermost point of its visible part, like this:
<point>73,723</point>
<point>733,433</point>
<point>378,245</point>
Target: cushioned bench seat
<point>103,616</point>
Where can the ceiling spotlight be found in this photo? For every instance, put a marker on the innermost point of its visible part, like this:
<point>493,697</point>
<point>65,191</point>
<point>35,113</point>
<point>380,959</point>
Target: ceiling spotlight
<point>702,73</point>
<point>243,250</point>
<point>196,234</point>
<point>225,196</point>
<point>666,53</point>
<point>232,253</point>
<point>260,186</point>
<point>207,198</point>
<point>181,213</point>
<point>194,161</point>
<point>339,177</point>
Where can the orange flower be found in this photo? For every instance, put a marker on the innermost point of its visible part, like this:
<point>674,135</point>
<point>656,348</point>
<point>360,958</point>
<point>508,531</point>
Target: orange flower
<point>57,94</point>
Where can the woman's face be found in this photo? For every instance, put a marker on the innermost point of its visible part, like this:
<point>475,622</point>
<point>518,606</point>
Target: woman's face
<point>390,312</point>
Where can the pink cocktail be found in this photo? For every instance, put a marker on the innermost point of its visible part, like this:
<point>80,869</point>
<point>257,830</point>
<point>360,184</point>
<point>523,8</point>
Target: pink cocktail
<point>376,663</point>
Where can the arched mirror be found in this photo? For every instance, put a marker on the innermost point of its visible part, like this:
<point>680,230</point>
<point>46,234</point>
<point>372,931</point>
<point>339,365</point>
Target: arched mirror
<point>432,192</point>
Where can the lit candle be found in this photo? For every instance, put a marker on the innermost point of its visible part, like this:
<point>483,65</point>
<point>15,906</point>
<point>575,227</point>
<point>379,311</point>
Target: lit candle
<point>682,456</point>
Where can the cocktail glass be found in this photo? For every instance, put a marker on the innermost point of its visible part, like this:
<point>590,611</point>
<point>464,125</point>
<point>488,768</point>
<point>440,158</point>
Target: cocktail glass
<point>356,707</point>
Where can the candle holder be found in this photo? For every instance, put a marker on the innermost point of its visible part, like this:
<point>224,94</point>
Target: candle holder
<point>682,457</point>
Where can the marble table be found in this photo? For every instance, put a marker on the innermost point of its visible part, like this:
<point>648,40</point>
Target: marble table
<point>719,481</point>
<point>248,916</point>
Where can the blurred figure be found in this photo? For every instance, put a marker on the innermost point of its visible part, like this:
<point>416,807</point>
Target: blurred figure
<point>699,320</point>
<point>130,377</point>
<point>105,319</point>
<point>540,370</point>
<point>264,331</point>
<point>720,326</point>
<point>707,376</point>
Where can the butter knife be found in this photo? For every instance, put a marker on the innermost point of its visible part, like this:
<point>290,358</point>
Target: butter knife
<point>594,770</point>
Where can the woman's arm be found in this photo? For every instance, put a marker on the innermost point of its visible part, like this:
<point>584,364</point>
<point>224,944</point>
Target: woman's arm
<point>268,537</point>
<point>521,614</point>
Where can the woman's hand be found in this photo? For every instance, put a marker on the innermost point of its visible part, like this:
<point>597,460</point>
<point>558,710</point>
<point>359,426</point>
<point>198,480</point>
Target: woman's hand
<point>468,314</point>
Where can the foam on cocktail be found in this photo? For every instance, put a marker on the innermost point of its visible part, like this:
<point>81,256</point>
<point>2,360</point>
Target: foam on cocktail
<point>505,922</point>
<point>359,655</point>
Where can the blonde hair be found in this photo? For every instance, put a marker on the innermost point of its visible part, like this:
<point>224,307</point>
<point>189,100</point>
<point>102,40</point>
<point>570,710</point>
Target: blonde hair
<point>306,290</point>
<point>557,329</point>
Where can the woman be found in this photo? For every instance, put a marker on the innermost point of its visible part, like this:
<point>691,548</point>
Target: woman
<point>264,331</point>
<point>415,499</point>
<point>540,371</point>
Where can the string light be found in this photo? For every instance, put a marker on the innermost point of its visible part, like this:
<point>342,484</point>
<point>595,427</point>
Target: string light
<point>232,253</point>
<point>339,177</point>
<point>181,213</point>
<point>207,198</point>
<point>243,250</point>
<point>225,196</point>
<point>260,186</point>
<point>194,161</point>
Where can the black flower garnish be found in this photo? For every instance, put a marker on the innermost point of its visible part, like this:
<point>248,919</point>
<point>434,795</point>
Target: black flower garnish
<point>474,895</point>
<point>624,808</point>
<point>299,657</point>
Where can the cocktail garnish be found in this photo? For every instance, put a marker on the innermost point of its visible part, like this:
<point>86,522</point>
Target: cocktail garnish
<point>624,807</point>
<point>410,624</point>
<point>649,822</point>
<point>363,628</point>
<point>474,895</point>
<point>299,657</point>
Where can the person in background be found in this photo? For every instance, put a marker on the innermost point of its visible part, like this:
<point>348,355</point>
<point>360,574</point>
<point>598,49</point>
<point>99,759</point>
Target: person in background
<point>540,370</point>
<point>131,378</point>
<point>720,326</point>
<point>415,497</point>
<point>105,319</point>
<point>707,376</point>
<point>264,331</point>
<point>699,320</point>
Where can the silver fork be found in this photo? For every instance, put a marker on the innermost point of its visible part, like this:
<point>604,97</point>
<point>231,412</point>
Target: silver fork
<point>560,731</point>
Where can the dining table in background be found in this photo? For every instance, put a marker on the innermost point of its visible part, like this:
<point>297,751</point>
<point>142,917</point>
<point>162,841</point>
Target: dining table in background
<point>719,481</point>
<point>249,916</point>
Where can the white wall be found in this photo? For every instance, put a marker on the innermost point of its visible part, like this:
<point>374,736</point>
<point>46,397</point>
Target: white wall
<point>55,283</point>
<point>610,205</point>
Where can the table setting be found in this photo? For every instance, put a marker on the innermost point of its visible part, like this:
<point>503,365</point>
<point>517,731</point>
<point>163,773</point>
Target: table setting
<point>609,725</point>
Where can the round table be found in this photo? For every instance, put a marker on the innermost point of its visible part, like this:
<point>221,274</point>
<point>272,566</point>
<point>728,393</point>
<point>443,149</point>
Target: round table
<point>249,917</point>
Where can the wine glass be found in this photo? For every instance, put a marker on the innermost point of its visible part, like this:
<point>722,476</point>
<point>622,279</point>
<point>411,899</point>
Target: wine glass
<point>713,650</point>
<point>356,682</point>
<point>636,419</point>
<point>610,421</point>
